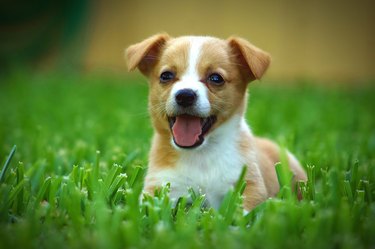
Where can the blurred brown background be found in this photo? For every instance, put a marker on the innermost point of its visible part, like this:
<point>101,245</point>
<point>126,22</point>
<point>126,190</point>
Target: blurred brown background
<point>314,39</point>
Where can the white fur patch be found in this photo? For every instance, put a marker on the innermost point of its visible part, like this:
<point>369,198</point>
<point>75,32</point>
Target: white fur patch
<point>212,168</point>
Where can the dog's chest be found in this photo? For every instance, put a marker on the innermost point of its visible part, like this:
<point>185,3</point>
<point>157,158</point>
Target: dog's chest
<point>210,173</point>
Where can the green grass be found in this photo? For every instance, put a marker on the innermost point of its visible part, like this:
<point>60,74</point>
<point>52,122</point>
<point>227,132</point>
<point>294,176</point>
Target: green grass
<point>82,141</point>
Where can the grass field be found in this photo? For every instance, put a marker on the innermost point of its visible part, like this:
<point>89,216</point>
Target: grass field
<point>75,178</point>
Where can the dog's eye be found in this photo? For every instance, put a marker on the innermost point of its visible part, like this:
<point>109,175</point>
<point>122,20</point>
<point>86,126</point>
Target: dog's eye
<point>166,76</point>
<point>215,79</point>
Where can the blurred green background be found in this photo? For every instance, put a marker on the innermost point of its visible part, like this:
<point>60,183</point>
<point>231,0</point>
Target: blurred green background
<point>307,39</point>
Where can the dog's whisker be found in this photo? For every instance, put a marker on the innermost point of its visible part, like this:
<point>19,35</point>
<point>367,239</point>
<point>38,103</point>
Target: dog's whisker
<point>158,109</point>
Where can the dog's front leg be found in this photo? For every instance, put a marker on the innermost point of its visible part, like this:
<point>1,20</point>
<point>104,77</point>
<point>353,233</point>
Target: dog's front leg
<point>255,193</point>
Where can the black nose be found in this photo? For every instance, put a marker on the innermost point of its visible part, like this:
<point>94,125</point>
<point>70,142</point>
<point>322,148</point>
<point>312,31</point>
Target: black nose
<point>186,97</point>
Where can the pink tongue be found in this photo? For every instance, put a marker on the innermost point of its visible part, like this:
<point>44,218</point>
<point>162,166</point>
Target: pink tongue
<point>186,130</point>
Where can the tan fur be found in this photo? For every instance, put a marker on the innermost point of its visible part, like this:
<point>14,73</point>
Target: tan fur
<point>256,189</point>
<point>174,57</point>
<point>144,55</point>
<point>268,156</point>
<point>238,62</point>
<point>252,57</point>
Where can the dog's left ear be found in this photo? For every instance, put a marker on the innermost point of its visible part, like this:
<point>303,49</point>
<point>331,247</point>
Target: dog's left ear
<point>144,54</point>
<point>254,60</point>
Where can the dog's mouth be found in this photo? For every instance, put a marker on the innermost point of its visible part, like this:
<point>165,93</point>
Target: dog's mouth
<point>189,131</point>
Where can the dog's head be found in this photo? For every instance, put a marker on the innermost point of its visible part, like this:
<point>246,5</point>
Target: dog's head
<point>196,83</point>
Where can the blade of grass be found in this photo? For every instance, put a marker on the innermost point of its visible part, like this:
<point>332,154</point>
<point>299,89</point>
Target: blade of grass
<point>74,175</point>
<point>42,191</point>
<point>230,203</point>
<point>54,188</point>
<point>96,166</point>
<point>311,181</point>
<point>136,175</point>
<point>354,178</point>
<point>7,163</point>
<point>15,192</point>
<point>113,172</point>
<point>368,190</point>
<point>20,197</point>
<point>116,184</point>
<point>348,191</point>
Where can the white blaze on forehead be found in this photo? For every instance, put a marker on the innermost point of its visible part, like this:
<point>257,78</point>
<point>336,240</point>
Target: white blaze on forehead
<point>191,79</point>
<point>196,44</point>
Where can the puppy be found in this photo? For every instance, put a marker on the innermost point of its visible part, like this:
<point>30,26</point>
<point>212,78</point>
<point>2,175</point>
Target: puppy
<point>197,102</point>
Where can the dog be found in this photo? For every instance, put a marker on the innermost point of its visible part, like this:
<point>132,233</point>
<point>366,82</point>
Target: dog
<point>197,101</point>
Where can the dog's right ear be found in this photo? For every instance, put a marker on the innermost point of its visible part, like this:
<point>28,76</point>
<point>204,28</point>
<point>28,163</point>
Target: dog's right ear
<point>145,54</point>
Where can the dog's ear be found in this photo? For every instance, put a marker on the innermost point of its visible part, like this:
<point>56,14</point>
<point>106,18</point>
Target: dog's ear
<point>254,60</point>
<point>145,54</point>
